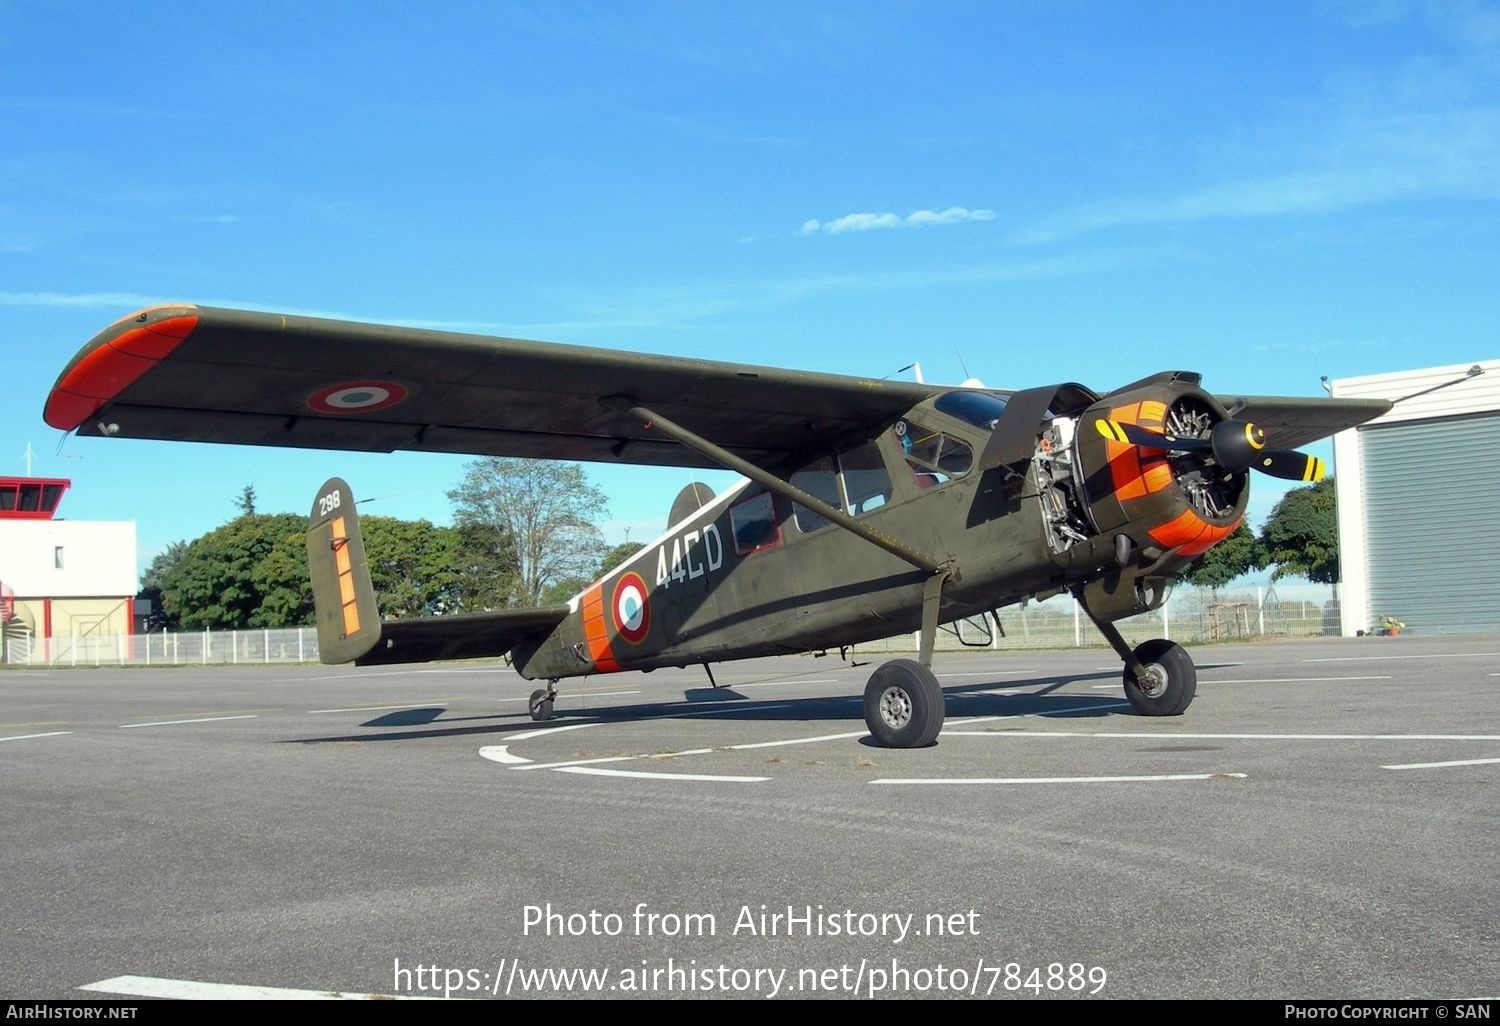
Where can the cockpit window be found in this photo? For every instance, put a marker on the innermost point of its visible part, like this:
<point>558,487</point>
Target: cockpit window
<point>978,408</point>
<point>934,458</point>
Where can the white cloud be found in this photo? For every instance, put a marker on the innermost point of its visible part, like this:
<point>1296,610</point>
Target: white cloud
<point>90,299</point>
<point>863,222</point>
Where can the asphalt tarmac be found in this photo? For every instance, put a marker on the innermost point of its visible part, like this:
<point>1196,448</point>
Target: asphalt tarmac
<point>1322,823</point>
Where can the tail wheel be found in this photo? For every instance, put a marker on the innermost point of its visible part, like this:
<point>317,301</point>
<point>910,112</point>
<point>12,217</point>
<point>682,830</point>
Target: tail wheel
<point>541,704</point>
<point>1169,683</point>
<point>904,705</point>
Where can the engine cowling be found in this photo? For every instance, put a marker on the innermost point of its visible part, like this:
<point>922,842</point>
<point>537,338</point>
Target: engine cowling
<point>1172,506</point>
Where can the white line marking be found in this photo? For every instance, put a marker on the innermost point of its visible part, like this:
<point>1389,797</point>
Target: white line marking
<point>404,705</point>
<point>173,723</point>
<point>27,737</point>
<point>1268,680</point>
<point>660,776</point>
<point>724,708</point>
<point>1059,780</point>
<point>799,741</point>
<point>781,683</point>
<point>1442,765</point>
<point>500,754</point>
<point>193,990</point>
<point>1292,680</point>
<point>615,758</point>
<point>989,673</point>
<point>580,762</point>
<point>1082,708</point>
<point>1388,658</point>
<point>348,676</point>
<point>528,735</point>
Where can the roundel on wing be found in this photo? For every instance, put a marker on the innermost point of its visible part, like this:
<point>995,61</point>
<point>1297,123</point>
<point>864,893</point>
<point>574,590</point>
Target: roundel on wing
<point>632,609</point>
<point>356,397</point>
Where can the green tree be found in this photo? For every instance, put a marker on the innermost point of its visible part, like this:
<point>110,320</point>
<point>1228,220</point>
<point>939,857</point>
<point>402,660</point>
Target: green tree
<point>225,575</point>
<point>486,561</point>
<point>546,511</point>
<point>1301,535</point>
<point>413,565</point>
<point>564,589</point>
<point>617,555</point>
<point>246,502</point>
<point>1233,557</point>
<point>252,572</point>
<point>162,564</point>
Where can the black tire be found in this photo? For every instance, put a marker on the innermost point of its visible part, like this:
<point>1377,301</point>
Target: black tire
<point>1175,694</point>
<point>903,705</point>
<point>541,705</point>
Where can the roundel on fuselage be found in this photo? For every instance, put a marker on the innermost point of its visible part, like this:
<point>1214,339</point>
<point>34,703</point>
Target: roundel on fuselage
<point>631,608</point>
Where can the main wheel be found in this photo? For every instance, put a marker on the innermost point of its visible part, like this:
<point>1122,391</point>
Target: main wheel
<point>904,704</point>
<point>1171,679</point>
<point>541,705</point>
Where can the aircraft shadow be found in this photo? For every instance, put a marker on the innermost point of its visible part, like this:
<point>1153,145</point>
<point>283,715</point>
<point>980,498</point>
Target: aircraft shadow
<point>1004,698</point>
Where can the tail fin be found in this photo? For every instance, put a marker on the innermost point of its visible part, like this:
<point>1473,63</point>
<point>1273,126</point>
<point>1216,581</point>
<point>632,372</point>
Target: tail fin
<point>347,616</point>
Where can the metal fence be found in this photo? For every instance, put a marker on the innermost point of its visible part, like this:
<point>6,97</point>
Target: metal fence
<point>1190,615</point>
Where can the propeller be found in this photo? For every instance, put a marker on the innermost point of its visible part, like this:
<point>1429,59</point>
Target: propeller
<point>1235,445</point>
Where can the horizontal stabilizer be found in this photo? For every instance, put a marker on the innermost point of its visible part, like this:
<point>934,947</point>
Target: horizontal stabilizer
<point>466,636</point>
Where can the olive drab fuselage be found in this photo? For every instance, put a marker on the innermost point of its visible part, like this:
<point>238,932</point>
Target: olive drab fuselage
<point>752,572</point>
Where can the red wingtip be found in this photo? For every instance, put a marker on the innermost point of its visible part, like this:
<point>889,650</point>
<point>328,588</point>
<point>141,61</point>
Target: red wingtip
<point>112,365</point>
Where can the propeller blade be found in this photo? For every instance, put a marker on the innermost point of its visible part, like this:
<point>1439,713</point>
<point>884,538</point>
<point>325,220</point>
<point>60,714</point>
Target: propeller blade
<point>1134,434</point>
<point>1236,445</point>
<point>1289,465</point>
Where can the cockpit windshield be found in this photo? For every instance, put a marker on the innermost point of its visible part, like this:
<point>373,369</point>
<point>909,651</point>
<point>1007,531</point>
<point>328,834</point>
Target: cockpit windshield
<point>982,409</point>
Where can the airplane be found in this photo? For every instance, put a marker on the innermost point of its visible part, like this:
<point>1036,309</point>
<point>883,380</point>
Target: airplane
<point>867,508</point>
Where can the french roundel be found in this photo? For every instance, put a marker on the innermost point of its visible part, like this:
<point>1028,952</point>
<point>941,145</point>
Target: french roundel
<point>632,610</point>
<point>357,397</point>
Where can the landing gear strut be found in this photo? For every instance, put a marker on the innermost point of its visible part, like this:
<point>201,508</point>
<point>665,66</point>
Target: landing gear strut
<point>903,700</point>
<point>541,701</point>
<point>1160,679</point>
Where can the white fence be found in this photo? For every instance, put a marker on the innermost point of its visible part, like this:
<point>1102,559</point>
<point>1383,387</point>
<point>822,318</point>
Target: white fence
<point>169,648</point>
<point>1189,615</point>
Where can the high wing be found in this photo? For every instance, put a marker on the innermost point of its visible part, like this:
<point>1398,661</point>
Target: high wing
<point>1291,422</point>
<point>216,375</point>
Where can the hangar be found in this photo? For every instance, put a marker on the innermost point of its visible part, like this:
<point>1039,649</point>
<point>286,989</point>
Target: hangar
<point>1419,501</point>
<point>66,586</point>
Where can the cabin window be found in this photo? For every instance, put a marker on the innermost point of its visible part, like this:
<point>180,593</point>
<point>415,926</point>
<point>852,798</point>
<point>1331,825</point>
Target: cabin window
<point>819,479</point>
<point>934,458</point>
<point>867,485</point>
<point>753,523</point>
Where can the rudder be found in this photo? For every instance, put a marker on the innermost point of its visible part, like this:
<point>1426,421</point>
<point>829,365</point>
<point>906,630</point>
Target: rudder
<point>347,617</point>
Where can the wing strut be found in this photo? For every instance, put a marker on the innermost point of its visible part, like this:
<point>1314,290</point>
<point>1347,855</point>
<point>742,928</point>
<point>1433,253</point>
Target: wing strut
<point>727,459</point>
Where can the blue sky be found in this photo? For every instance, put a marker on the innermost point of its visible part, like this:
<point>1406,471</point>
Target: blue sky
<point>1026,193</point>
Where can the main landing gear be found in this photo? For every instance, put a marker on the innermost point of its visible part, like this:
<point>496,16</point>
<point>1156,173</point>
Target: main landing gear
<point>903,701</point>
<point>541,701</point>
<point>904,704</point>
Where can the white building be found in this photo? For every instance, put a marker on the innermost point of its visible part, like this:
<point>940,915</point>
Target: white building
<point>63,583</point>
<point>1419,502</point>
